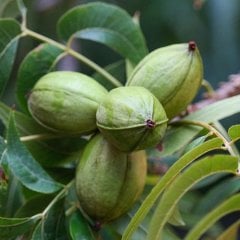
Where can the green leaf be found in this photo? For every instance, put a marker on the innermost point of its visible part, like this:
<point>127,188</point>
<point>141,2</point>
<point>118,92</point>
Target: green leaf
<point>9,35</point>
<point>116,69</point>
<point>199,170</point>
<point>217,194</point>
<point>3,180</point>
<point>209,180</point>
<point>195,143</point>
<point>25,124</point>
<point>2,147</point>
<point>79,227</point>
<point>176,218</point>
<point>178,136</point>
<point>3,196</point>
<point>234,132</point>
<point>24,167</point>
<point>53,225</point>
<point>12,227</point>
<point>14,198</point>
<point>55,152</point>
<point>8,8</point>
<point>230,205</point>
<point>62,152</point>
<point>172,172</point>
<point>231,232</point>
<point>107,232</point>
<point>37,63</point>
<point>106,24</point>
<point>37,232</point>
<point>34,205</point>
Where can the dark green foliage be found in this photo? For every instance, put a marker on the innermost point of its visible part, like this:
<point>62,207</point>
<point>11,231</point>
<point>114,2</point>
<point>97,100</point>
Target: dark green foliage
<point>198,159</point>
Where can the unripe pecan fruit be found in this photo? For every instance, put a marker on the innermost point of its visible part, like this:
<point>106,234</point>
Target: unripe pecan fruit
<point>66,101</point>
<point>173,74</point>
<point>108,182</point>
<point>131,118</point>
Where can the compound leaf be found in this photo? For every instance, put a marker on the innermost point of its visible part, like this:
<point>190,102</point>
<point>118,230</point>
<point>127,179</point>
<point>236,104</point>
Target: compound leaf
<point>172,172</point>
<point>23,165</point>
<point>199,170</point>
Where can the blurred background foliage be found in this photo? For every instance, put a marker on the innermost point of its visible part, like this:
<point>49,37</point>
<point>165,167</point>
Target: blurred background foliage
<point>213,24</point>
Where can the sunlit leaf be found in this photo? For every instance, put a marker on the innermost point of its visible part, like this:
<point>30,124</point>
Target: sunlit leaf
<point>172,172</point>
<point>12,227</point>
<point>228,206</point>
<point>79,227</point>
<point>24,167</point>
<point>106,24</point>
<point>176,218</point>
<point>234,132</point>
<point>37,63</point>
<point>199,170</point>
<point>178,136</point>
<point>9,35</point>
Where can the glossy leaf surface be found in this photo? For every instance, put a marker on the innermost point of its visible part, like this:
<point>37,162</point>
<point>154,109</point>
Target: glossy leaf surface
<point>79,227</point>
<point>24,167</point>
<point>106,24</point>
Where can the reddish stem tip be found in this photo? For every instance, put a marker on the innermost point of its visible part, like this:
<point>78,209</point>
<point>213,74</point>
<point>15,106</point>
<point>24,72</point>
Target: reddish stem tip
<point>150,123</point>
<point>192,46</point>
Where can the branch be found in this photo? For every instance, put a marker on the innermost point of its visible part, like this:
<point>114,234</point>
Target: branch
<point>225,90</point>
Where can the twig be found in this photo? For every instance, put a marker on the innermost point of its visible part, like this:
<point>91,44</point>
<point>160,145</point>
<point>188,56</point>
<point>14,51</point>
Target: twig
<point>226,89</point>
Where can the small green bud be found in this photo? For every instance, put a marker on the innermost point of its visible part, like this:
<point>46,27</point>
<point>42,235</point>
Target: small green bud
<point>131,118</point>
<point>173,74</point>
<point>66,101</point>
